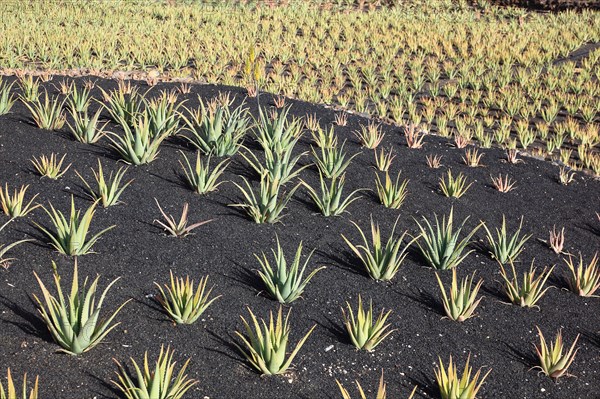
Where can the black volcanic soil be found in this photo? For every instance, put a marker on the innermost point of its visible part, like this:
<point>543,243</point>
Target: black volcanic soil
<point>500,337</point>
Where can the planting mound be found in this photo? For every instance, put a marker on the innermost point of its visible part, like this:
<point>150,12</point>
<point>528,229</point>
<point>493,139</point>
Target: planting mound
<point>499,337</point>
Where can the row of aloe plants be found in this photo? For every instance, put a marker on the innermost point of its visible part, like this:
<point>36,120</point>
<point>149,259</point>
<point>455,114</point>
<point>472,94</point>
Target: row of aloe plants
<point>438,240</point>
<point>74,323</point>
<point>216,128</point>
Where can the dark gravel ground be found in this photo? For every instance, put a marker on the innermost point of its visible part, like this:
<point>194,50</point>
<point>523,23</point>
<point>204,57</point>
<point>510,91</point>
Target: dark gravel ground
<point>501,337</point>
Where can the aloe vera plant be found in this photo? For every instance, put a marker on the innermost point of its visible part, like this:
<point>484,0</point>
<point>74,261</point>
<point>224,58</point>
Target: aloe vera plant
<point>279,165</point>
<point>365,332</point>
<point>554,361</point>
<point>454,187</point>
<point>50,167</point>
<point>333,161</point>
<point>179,228</point>
<point>453,386</point>
<point>11,391</point>
<point>7,99</point>
<point>265,345</point>
<point>74,321</point>
<point>370,136</point>
<point>383,160</point>
<point>140,143</point>
<point>440,246</point>
<point>164,113</point>
<point>71,235</point>
<point>529,290</point>
<point>461,300</point>
<point>391,194</point>
<point>160,383</point>
<point>585,277</point>
<point>47,114</point>
<point>324,138</point>
<point>330,201</point>
<point>182,302</point>
<point>276,132</point>
<point>285,284</point>
<point>86,129</point>
<point>123,105</point>
<point>504,247</point>
<point>29,87</point>
<point>201,178</point>
<point>79,99</point>
<point>382,262</point>
<point>268,205</point>
<point>217,130</point>
<point>15,205</point>
<point>106,191</point>
<point>381,390</point>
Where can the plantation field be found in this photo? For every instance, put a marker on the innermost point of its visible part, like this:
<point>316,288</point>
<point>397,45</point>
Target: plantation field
<point>299,200</point>
<point>502,76</point>
<point>499,337</point>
